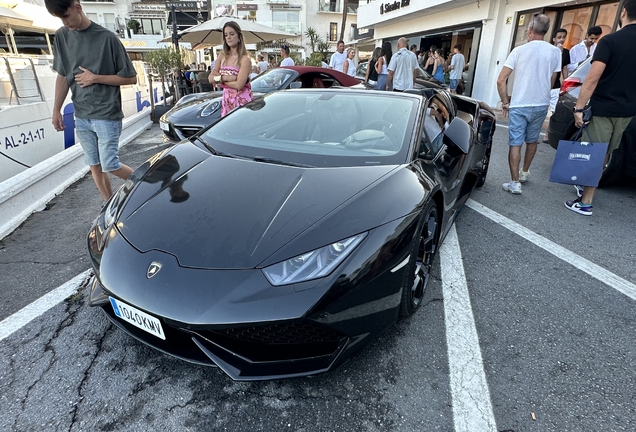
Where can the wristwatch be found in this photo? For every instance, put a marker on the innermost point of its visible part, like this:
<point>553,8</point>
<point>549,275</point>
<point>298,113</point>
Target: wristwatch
<point>578,110</point>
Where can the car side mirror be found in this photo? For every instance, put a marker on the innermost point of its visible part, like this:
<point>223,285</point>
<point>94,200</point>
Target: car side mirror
<point>457,134</point>
<point>296,85</point>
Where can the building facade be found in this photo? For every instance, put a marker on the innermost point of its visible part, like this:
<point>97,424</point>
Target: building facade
<point>487,29</point>
<point>154,20</point>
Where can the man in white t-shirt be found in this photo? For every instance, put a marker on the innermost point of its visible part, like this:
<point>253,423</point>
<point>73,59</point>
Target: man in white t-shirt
<point>262,64</point>
<point>585,49</point>
<point>535,65</point>
<point>456,68</point>
<point>402,68</point>
<point>338,58</point>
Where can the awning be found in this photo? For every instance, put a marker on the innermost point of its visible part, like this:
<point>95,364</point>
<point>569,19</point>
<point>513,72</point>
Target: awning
<point>9,17</point>
<point>41,19</point>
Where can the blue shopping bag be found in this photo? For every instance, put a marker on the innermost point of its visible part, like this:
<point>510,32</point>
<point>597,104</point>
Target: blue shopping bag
<point>578,162</point>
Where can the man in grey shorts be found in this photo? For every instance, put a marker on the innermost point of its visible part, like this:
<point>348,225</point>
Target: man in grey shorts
<point>91,62</point>
<point>535,64</point>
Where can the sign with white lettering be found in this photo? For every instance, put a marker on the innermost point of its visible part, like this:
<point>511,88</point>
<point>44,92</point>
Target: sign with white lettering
<point>147,7</point>
<point>182,5</point>
<point>390,7</point>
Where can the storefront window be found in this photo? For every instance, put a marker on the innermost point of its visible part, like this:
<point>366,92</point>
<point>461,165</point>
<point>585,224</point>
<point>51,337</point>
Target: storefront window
<point>606,16</point>
<point>523,22</point>
<point>576,22</point>
<point>152,26</point>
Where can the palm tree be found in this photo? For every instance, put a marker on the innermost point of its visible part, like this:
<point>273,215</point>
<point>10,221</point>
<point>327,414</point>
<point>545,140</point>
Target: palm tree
<point>345,6</point>
<point>313,37</point>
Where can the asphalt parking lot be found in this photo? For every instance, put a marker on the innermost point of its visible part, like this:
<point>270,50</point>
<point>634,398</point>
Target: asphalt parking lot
<point>529,324</point>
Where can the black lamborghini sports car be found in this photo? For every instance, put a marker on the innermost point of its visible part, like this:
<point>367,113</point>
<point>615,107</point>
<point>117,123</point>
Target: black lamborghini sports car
<point>283,238</point>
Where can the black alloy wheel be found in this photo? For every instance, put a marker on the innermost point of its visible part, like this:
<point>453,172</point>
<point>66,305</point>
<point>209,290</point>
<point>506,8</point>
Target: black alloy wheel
<point>422,256</point>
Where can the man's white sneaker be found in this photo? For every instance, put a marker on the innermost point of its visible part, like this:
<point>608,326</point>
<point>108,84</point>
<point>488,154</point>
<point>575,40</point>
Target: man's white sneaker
<point>523,176</point>
<point>512,187</point>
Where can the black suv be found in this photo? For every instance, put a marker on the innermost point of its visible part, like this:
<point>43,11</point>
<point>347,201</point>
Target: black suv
<point>622,160</point>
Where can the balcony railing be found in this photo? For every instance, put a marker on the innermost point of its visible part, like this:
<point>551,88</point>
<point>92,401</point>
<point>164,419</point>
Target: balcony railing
<point>289,27</point>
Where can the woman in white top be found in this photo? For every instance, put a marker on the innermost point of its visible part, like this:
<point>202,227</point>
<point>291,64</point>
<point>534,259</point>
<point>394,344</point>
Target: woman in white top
<point>284,53</point>
<point>349,66</point>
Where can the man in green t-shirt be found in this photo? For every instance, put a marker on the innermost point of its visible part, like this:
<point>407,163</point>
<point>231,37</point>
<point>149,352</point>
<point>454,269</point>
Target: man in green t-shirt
<point>91,62</point>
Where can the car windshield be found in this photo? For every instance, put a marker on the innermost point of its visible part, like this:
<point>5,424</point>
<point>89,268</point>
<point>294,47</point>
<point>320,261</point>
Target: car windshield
<point>272,79</point>
<point>321,128</point>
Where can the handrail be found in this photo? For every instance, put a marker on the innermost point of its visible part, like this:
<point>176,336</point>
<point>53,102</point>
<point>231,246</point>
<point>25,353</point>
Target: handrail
<point>12,79</point>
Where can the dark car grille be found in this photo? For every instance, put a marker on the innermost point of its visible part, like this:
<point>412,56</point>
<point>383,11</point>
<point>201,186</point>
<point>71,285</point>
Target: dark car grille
<point>188,131</point>
<point>289,333</point>
<point>274,342</point>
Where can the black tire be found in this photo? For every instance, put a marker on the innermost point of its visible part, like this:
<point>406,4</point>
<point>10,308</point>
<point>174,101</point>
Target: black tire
<point>423,253</point>
<point>485,164</point>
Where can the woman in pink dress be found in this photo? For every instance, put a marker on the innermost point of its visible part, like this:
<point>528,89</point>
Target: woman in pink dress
<point>233,66</point>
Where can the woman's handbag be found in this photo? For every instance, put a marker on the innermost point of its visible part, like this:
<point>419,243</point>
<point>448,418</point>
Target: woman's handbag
<point>579,162</point>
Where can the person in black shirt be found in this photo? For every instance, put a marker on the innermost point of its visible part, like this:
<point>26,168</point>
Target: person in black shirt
<point>611,91</point>
<point>558,40</point>
<point>372,74</point>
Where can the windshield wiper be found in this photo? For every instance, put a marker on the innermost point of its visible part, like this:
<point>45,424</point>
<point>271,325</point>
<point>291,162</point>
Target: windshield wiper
<point>280,162</point>
<point>214,151</point>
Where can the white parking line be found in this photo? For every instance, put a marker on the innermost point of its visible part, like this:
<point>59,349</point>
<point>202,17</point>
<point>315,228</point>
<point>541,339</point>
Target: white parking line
<point>30,312</point>
<point>587,266</point>
<point>472,408</point>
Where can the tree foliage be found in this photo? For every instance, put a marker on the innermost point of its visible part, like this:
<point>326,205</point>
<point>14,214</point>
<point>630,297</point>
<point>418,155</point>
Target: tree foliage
<point>313,36</point>
<point>164,60</point>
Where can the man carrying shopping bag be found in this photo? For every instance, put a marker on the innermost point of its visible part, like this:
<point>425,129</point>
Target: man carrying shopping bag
<point>611,91</point>
<point>579,162</point>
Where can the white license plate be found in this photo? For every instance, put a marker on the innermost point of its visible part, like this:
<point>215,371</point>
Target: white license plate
<point>137,318</point>
<point>164,126</point>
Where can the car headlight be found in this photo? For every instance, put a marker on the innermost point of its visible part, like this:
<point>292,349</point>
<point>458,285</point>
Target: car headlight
<point>112,208</point>
<point>211,108</point>
<point>312,265</point>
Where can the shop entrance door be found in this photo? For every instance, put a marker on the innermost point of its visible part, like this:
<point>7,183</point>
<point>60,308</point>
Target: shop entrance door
<point>468,37</point>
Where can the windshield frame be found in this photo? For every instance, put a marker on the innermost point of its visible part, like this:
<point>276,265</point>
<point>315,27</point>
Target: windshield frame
<point>315,152</point>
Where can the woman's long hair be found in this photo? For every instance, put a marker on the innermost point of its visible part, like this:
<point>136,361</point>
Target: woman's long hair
<point>240,48</point>
<point>376,53</point>
<point>387,51</point>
